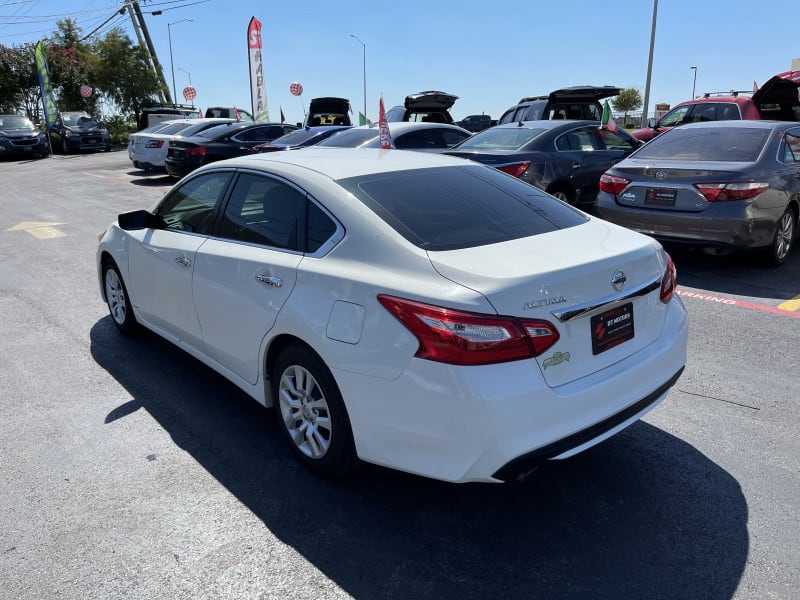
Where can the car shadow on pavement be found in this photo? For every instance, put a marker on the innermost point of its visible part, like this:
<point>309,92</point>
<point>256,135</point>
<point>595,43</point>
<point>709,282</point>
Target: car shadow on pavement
<point>151,179</point>
<point>643,515</point>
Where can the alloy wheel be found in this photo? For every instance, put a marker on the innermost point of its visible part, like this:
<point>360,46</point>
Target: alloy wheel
<point>115,293</point>
<point>783,237</point>
<point>305,412</point>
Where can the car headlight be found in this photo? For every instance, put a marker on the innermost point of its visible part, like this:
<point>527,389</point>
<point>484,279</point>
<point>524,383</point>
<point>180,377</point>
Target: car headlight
<point>67,133</point>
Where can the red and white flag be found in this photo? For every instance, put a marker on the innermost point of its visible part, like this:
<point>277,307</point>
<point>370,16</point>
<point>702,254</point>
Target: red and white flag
<point>258,89</point>
<point>755,86</point>
<point>383,127</point>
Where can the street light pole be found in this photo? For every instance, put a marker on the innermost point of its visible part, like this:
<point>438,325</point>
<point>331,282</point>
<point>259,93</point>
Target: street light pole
<point>694,81</point>
<point>171,63</point>
<point>364,63</point>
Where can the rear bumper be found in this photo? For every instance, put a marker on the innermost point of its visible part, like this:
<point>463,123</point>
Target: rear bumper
<point>733,225</point>
<point>522,465</point>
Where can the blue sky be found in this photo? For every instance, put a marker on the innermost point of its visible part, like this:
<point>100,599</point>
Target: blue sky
<point>485,53</point>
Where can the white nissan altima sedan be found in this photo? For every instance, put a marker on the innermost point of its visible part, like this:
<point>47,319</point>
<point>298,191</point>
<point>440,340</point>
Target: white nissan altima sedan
<point>421,312</point>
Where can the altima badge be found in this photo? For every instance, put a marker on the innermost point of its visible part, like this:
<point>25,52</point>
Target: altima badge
<point>556,359</point>
<point>546,301</point>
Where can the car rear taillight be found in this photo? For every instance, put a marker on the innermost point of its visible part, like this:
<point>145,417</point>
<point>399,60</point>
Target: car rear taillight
<point>669,282</point>
<point>612,184</point>
<point>465,338</point>
<point>720,192</point>
<point>154,144</point>
<point>515,169</point>
<point>199,151</point>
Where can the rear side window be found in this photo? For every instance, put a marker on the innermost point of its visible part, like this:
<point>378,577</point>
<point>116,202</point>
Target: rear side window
<point>705,144</point>
<point>448,208</point>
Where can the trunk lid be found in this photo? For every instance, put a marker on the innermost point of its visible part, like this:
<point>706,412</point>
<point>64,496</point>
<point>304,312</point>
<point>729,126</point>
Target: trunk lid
<point>669,187</point>
<point>553,275</point>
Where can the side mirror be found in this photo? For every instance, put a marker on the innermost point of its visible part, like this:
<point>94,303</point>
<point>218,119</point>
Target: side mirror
<point>651,122</point>
<point>138,219</point>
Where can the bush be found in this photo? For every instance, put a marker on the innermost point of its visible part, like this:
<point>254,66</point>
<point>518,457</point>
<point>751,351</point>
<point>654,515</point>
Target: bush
<point>630,125</point>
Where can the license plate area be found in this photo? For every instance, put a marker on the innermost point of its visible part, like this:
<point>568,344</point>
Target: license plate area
<point>612,328</point>
<point>660,197</point>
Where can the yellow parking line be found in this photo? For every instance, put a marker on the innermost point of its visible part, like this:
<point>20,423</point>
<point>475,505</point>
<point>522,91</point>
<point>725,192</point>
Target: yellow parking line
<point>793,304</point>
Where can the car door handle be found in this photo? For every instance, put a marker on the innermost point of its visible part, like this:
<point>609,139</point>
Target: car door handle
<point>270,280</point>
<point>576,165</point>
<point>183,261</point>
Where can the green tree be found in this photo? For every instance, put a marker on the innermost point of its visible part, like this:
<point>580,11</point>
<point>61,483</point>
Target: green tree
<point>626,101</point>
<point>70,62</point>
<point>19,87</point>
<point>123,73</point>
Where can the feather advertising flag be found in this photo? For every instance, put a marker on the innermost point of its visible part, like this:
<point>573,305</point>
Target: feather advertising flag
<point>383,126</point>
<point>258,90</point>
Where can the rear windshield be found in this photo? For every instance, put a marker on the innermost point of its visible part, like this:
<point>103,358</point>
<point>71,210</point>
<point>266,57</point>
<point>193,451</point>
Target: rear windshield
<point>174,128</point>
<point>448,208</point>
<point>725,145</point>
<point>297,137</point>
<point>349,138</point>
<point>222,129</point>
<point>511,138</point>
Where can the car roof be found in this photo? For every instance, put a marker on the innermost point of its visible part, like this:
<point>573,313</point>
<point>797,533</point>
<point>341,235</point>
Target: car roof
<point>592,92</point>
<point>548,124</point>
<point>402,126</point>
<point>340,163</point>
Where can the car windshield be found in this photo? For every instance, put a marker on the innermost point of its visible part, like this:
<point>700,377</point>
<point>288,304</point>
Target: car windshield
<point>501,138</point>
<point>79,121</point>
<point>349,138</point>
<point>15,122</point>
<point>721,145</point>
<point>447,208</point>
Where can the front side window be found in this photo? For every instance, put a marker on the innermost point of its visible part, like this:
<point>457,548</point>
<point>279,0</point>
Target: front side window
<point>190,207</point>
<point>675,117</point>
<point>614,140</point>
<point>265,211</point>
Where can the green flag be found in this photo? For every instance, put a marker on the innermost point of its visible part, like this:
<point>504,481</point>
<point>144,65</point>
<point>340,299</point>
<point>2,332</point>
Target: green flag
<point>362,120</point>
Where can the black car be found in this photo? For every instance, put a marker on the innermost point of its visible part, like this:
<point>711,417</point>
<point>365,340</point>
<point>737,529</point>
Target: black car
<point>476,123</point>
<point>307,136</point>
<point>428,107</point>
<point>578,102</point>
<point>218,143</point>
<point>75,131</point>
<point>19,136</point>
<point>563,158</point>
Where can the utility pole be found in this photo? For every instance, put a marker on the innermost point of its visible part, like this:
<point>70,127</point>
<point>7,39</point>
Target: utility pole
<point>165,93</point>
<point>650,63</point>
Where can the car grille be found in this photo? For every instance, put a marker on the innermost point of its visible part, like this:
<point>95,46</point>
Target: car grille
<point>24,143</point>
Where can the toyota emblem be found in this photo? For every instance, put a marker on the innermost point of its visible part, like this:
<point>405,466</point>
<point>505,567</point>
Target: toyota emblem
<point>618,280</point>
<point>661,175</point>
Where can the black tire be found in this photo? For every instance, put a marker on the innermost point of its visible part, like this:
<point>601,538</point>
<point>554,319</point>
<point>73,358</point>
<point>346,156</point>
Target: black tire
<point>311,413</point>
<point>783,239</point>
<point>119,304</point>
<point>64,147</point>
<point>563,193</point>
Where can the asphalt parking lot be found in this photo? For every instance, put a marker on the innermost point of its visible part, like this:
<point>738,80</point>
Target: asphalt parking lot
<point>131,470</point>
